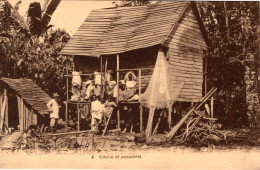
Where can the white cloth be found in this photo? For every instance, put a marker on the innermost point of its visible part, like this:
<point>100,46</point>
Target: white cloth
<point>130,84</point>
<point>90,91</point>
<point>76,79</point>
<point>97,109</point>
<point>53,106</point>
<point>97,76</point>
<point>127,74</point>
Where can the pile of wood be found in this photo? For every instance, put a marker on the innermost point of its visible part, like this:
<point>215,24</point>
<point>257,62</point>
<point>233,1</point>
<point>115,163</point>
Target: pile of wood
<point>197,126</point>
<point>200,129</point>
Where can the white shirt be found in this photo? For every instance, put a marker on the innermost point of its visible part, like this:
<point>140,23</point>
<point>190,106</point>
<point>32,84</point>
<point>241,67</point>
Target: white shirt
<point>130,84</point>
<point>96,109</point>
<point>53,106</point>
<point>97,78</point>
<point>76,79</point>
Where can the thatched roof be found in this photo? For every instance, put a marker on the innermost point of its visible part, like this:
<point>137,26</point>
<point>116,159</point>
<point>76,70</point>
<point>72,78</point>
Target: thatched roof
<point>30,92</point>
<point>120,29</point>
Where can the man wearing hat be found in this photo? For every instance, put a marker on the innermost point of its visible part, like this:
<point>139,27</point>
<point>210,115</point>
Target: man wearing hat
<point>53,107</point>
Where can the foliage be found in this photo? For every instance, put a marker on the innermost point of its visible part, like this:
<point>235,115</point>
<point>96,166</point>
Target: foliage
<point>232,32</point>
<point>23,54</point>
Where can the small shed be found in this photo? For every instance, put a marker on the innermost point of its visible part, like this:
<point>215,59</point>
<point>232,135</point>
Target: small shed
<point>129,39</point>
<point>22,102</point>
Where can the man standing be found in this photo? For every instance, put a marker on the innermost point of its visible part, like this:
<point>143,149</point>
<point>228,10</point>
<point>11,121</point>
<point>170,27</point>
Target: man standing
<point>97,109</point>
<point>53,107</point>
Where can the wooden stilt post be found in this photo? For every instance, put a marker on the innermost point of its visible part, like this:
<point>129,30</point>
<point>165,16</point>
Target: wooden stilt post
<point>117,82</point>
<point>150,122</point>
<point>66,116</point>
<point>6,114</point>
<point>78,112</point>
<point>206,75</point>
<point>105,77</point>
<point>158,122</point>
<point>67,98</point>
<point>141,107</point>
<point>170,117</point>
<point>212,107</point>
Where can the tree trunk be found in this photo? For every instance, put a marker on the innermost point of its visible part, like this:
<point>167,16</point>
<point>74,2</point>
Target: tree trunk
<point>252,99</point>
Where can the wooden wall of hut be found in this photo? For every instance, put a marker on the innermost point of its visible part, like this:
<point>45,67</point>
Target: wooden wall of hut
<point>87,65</point>
<point>186,57</point>
<point>27,116</point>
<point>3,110</point>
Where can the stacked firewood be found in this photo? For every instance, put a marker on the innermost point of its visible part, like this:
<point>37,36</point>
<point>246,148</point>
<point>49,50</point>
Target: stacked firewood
<point>200,129</point>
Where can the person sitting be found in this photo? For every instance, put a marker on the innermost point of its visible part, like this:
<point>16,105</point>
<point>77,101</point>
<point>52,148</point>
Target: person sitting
<point>130,85</point>
<point>97,109</point>
<point>109,107</point>
<point>111,86</point>
<point>76,85</point>
<point>90,89</point>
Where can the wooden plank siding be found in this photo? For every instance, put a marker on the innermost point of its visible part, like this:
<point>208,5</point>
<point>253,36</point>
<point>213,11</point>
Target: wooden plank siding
<point>186,57</point>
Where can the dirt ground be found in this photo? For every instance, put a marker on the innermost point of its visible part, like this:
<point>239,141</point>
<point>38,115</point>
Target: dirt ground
<point>241,146</point>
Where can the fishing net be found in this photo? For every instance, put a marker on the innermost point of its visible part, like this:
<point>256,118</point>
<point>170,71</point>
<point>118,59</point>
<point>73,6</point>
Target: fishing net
<point>163,89</point>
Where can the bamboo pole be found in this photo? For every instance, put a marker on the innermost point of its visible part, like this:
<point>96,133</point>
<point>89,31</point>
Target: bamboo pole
<point>106,125</point>
<point>170,117</point>
<point>212,107</point>
<point>141,108</point>
<point>66,116</point>
<point>3,109</point>
<point>134,69</point>
<point>158,122</point>
<point>105,77</point>
<point>206,75</point>
<point>197,106</point>
<point>78,112</point>
<point>67,96</point>
<point>6,113</point>
<point>150,122</point>
<point>117,82</point>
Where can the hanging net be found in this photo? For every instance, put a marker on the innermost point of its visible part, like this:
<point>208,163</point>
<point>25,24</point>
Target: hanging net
<point>163,89</point>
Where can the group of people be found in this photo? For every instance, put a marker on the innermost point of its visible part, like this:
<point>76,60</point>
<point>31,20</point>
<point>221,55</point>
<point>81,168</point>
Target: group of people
<point>101,110</point>
<point>83,90</point>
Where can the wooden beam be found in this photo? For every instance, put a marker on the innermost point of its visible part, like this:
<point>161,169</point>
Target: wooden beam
<point>67,95</point>
<point>141,107</point>
<point>170,117</point>
<point>2,114</point>
<point>197,106</point>
<point>105,77</point>
<point>6,114</point>
<point>66,116</point>
<point>158,122</point>
<point>212,107</point>
<point>133,69</point>
<point>206,75</point>
<point>78,112</point>
<point>117,82</point>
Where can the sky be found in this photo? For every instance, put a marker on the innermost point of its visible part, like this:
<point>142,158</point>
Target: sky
<point>70,14</point>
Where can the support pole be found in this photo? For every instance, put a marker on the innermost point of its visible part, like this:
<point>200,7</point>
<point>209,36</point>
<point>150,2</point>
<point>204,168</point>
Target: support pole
<point>67,97</point>
<point>66,116</point>
<point>170,117</point>
<point>78,117</point>
<point>117,82</point>
<point>206,75</point>
<point>105,77</point>
<point>141,107</point>
<point>212,106</point>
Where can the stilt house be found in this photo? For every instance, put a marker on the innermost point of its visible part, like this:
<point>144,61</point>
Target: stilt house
<point>129,38</point>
